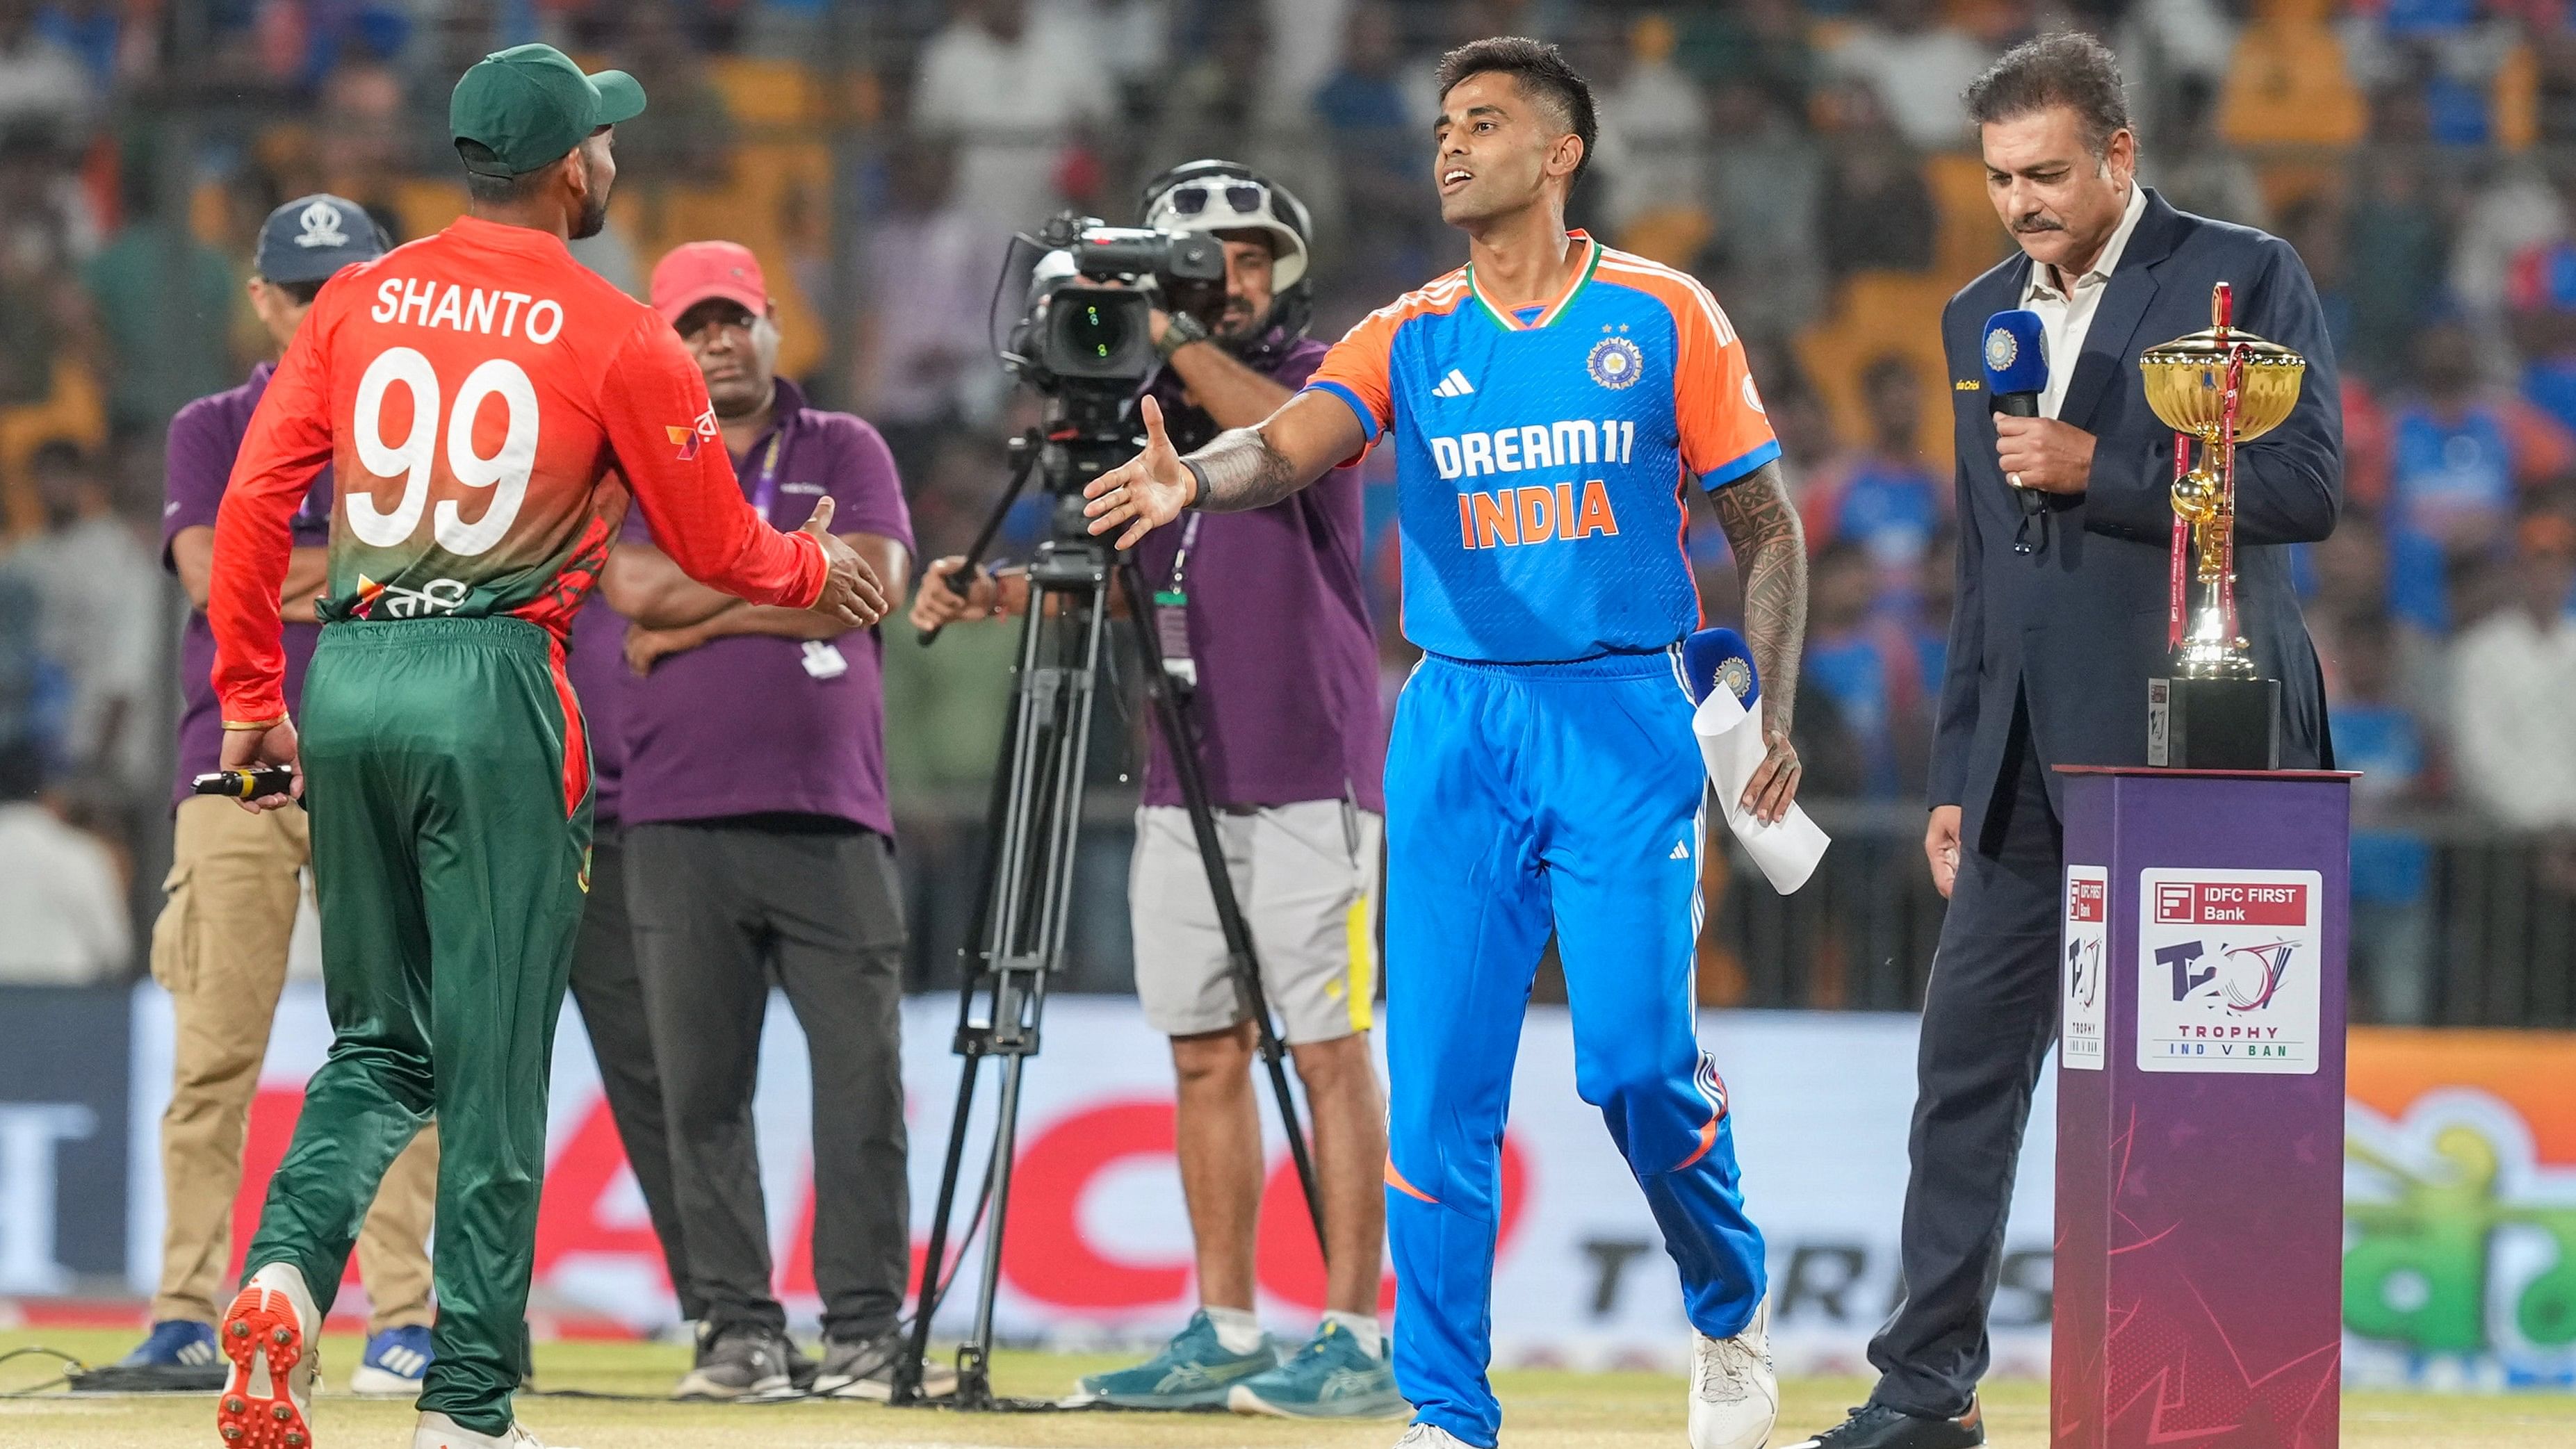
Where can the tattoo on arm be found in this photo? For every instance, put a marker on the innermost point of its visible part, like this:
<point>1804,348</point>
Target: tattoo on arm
<point>1771,555</point>
<point>1243,471</point>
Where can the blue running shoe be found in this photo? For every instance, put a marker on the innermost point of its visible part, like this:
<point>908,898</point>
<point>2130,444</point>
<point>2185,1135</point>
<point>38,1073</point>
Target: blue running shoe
<point>1332,1377</point>
<point>177,1356</point>
<point>1192,1372</point>
<point>394,1363</point>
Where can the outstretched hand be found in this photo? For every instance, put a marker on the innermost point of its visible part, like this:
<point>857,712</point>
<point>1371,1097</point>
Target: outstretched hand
<point>1145,492</point>
<point>852,593</point>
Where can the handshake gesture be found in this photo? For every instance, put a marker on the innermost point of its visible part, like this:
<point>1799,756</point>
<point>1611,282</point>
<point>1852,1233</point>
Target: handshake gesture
<point>1145,492</point>
<point>852,592</point>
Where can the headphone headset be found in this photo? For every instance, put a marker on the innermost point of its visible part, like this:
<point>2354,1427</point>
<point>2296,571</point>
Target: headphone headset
<point>1221,207</point>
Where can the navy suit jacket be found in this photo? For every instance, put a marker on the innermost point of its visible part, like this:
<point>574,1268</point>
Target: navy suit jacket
<point>2077,627</point>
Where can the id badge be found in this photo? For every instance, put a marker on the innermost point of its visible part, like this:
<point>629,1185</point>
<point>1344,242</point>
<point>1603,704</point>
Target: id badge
<point>823,659</point>
<point>1172,632</point>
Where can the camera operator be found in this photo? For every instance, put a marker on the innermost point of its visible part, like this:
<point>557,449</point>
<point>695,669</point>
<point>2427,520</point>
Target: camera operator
<point>1265,612</point>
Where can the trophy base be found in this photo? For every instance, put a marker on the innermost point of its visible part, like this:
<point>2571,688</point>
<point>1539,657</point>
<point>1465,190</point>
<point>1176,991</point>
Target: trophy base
<point>2214,724</point>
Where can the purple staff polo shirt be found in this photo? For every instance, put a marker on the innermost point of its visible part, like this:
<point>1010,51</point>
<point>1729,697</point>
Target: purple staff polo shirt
<point>740,725</point>
<point>204,437</point>
<point>596,664</point>
<point>1287,698</point>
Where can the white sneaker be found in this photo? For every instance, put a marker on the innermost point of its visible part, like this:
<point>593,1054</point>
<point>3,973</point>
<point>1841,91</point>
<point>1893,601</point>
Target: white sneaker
<point>269,1333</point>
<point>1734,1399</point>
<point>1430,1436</point>
<point>437,1431</point>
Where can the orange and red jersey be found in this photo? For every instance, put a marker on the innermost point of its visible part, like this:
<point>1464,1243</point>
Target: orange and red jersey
<point>480,396</point>
<point>1541,454</point>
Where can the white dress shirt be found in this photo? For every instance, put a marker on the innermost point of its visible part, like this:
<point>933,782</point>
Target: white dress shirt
<point>2065,319</point>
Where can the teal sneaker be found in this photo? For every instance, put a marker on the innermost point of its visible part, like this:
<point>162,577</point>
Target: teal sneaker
<point>1192,1372</point>
<point>1330,1378</point>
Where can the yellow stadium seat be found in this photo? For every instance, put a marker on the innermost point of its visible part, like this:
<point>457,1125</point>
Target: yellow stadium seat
<point>425,205</point>
<point>766,92</point>
<point>2517,98</point>
<point>75,411</point>
<point>1880,314</point>
<point>1970,238</point>
<point>2288,84</point>
<point>1672,235</point>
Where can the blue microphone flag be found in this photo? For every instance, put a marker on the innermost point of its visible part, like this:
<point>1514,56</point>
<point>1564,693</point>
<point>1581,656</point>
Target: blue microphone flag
<point>2016,353</point>
<point>1717,656</point>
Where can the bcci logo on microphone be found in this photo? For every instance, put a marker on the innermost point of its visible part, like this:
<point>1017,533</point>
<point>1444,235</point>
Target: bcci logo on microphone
<point>2001,350</point>
<point>2228,970</point>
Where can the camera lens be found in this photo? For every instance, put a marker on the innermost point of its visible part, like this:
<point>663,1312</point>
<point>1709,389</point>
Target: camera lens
<point>1095,331</point>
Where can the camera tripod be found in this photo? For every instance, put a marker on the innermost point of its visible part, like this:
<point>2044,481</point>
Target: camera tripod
<point>1024,898</point>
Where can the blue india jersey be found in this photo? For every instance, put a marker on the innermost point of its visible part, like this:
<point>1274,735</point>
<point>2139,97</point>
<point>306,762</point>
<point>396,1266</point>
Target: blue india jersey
<point>1542,458</point>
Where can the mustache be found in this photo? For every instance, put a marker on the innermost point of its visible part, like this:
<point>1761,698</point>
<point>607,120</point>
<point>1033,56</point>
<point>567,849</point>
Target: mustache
<point>2031,225</point>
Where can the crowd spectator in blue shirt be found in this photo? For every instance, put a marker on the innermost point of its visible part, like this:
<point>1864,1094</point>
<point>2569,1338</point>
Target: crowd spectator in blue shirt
<point>1863,659</point>
<point>2460,456</point>
<point>1885,499</point>
<point>2375,733</point>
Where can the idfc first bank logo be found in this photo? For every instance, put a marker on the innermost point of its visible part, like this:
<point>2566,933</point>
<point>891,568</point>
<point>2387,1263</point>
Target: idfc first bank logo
<point>2228,970</point>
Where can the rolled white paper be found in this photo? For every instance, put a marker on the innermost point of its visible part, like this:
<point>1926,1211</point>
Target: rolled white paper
<point>1730,743</point>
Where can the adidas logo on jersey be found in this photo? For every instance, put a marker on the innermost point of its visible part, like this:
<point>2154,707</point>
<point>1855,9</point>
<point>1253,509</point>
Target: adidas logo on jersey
<point>1454,385</point>
<point>1681,851</point>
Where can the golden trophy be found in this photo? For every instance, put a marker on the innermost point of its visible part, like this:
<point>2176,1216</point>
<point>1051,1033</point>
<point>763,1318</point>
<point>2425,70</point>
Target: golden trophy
<point>2219,388</point>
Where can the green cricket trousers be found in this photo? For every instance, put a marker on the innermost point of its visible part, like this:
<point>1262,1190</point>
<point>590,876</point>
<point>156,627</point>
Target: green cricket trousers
<point>448,780</point>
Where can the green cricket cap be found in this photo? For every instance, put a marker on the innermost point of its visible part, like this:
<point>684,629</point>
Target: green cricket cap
<point>530,104</point>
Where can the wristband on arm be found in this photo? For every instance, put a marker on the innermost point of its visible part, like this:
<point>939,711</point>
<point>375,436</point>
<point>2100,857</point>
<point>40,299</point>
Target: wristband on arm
<point>1199,484</point>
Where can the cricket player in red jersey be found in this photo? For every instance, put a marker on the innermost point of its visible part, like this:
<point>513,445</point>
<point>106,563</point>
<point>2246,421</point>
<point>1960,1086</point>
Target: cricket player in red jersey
<point>473,391</point>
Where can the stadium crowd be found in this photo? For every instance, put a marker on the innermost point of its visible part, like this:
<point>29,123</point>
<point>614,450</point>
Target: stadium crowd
<point>1811,163</point>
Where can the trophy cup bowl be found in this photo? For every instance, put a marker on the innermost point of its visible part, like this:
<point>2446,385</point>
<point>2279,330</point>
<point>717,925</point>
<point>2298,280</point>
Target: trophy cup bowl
<point>2187,384</point>
<point>2218,387</point>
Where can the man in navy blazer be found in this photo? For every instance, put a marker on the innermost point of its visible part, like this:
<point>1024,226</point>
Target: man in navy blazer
<point>2059,623</point>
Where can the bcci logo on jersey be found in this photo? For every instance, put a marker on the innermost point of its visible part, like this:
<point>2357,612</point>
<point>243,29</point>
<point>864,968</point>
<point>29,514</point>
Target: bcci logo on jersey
<point>1615,363</point>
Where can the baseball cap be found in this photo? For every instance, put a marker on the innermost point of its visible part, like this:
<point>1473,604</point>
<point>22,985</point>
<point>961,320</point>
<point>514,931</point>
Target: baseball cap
<point>698,271</point>
<point>530,104</point>
<point>309,238</point>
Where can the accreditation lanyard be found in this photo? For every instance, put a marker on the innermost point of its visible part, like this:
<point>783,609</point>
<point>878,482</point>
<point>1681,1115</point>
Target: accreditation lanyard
<point>765,491</point>
<point>1172,611</point>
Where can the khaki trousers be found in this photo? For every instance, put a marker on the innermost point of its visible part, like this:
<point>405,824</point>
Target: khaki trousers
<point>219,948</point>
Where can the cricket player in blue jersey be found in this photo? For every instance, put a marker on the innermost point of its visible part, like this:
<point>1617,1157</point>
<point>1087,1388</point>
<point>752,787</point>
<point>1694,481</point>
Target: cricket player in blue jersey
<point>1550,404</point>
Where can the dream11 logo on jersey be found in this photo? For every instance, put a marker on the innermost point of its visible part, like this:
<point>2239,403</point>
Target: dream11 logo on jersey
<point>2228,971</point>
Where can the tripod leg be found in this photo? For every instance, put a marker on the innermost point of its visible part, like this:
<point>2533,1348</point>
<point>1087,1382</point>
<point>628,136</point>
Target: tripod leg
<point>907,1374</point>
<point>1028,894</point>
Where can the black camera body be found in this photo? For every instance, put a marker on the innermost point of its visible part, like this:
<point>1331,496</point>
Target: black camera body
<point>1076,334</point>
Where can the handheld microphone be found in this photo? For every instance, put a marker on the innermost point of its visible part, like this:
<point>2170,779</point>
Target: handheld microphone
<point>1718,656</point>
<point>1726,721</point>
<point>247,782</point>
<point>2016,354</point>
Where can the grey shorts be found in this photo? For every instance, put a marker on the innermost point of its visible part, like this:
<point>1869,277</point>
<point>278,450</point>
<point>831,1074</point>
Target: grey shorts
<point>1306,876</point>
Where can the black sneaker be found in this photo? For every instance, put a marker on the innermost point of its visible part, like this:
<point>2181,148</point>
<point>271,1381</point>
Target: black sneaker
<point>744,1361</point>
<point>1877,1426</point>
<point>864,1369</point>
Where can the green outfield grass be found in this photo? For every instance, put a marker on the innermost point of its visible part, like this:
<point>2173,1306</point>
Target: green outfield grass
<point>1573,1410</point>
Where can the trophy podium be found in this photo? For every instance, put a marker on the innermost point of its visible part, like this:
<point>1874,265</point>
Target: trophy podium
<point>2200,1062</point>
<point>2218,387</point>
<point>2200,1109</point>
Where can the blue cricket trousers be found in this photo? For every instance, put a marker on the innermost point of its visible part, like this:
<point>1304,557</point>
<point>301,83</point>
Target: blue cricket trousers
<point>1522,798</point>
